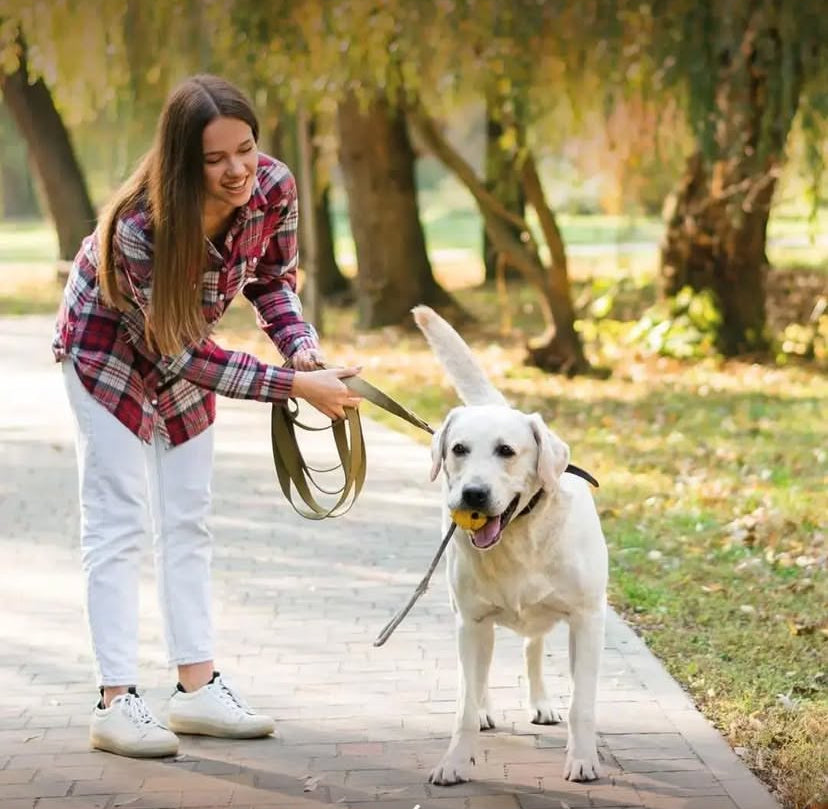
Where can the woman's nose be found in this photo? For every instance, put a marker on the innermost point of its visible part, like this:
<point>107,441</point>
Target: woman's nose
<point>235,167</point>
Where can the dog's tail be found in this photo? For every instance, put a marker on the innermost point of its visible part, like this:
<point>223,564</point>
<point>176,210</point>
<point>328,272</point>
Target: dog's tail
<point>465,372</point>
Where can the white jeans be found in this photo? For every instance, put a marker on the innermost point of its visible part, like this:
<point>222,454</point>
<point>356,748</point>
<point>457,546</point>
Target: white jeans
<point>123,481</point>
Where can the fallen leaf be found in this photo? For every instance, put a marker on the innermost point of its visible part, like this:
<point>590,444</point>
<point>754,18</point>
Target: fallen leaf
<point>800,628</point>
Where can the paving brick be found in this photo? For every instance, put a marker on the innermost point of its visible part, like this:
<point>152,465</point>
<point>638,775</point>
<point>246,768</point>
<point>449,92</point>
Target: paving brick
<point>660,765</point>
<point>22,776</point>
<point>154,800</point>
<point>36,789</point>
<point>72,802</point>
<point>373,749</point>
<point>493,802</point>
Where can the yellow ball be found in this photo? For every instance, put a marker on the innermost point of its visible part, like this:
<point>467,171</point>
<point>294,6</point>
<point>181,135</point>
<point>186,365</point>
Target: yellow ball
<point>469,520</point>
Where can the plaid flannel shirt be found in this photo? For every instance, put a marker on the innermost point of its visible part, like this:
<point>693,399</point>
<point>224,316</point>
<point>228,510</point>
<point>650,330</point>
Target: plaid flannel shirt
<point>175,395</point>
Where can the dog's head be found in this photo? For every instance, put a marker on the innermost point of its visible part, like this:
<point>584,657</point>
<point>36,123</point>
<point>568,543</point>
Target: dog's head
<point>495,458</point>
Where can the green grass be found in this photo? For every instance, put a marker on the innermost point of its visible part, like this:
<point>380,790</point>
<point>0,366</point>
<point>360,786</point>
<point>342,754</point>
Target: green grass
<point>27,241</point>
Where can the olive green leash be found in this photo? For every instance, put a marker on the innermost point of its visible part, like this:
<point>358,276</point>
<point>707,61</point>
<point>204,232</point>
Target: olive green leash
<point>296,475</point>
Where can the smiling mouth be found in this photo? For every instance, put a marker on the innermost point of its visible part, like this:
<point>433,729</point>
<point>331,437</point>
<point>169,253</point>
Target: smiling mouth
<point>488,535</point>
<point>236,187</point>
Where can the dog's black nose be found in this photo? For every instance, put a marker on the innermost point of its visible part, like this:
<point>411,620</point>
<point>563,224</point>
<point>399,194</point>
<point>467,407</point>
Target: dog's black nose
<point>475,497</point>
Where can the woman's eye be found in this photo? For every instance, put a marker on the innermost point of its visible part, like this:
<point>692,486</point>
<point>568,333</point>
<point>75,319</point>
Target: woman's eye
<point>459,449</point>
<point>504,451</point>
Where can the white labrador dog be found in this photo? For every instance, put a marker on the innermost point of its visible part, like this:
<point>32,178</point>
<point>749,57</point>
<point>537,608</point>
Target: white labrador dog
<point>539,558</point>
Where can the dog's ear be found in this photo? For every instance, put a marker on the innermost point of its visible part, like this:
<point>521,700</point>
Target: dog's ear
<point>438,445</point>
<point>553,454</point>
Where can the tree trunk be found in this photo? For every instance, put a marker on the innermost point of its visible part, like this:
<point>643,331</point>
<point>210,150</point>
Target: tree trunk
<point>17,193</point>
<point>377,161</point>
<point>716,221</point>
<point>503,182</point>
<point>333,285</point>
<point>50,147</point>
<point>563,349</point>
<point>709,246</point>
<point>559,348</point>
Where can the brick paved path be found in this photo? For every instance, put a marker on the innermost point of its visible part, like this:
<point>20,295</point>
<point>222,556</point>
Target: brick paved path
<point>298,606</point>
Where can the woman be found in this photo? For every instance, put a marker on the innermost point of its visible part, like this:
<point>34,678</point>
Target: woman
<point>204,217</point>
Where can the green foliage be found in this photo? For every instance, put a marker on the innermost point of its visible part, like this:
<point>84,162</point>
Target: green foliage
<point>808,341</point>
<point>684,326</point>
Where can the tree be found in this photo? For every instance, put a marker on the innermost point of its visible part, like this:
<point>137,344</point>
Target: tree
<point>502,176</point>
<point>332,283</point>
<point>52,154</point>
<point>515,71</point>
<point>745,68</point>
<point>559,348</point>
<point>378,166</point>
<point>346,55</point>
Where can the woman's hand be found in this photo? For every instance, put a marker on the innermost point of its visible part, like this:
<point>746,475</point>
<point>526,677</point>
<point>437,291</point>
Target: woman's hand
<point>307,359</point>
<point>325,390</point>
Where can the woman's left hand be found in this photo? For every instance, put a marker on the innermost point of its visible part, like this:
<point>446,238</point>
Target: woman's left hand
<point>307,359</point>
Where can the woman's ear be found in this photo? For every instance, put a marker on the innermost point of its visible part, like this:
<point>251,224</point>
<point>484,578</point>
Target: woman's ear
<point>553,454</point>
<point>438,445</point>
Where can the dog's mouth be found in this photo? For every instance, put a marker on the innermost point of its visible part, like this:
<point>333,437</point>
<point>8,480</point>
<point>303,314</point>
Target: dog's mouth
<point>488,535</point>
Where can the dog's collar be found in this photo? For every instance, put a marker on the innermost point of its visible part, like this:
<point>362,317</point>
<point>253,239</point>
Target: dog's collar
<point>532,503</point>
<point>581,473</point>
<point>575,470</point>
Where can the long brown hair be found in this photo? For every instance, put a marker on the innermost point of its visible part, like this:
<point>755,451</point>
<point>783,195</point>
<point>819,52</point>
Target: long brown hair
<point>169,181</point>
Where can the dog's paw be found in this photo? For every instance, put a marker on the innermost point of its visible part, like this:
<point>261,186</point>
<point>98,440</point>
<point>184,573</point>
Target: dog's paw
<point>453,769</point>
<point>542,713</point>
<point>584,768</point>
<point>486,721</point>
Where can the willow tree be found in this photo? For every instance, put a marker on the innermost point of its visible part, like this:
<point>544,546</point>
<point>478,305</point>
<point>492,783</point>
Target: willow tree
<point>51,152</point>
<point>342,57</point>
<point>53,94</point>
<point>744,68</point>
<point>524,74</point>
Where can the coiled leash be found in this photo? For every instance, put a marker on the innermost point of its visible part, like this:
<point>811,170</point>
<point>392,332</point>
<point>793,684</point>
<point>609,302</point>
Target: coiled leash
<point>295,474</point>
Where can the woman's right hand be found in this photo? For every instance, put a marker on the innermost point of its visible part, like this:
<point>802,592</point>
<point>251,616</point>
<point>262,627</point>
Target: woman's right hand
<point>325,390</point>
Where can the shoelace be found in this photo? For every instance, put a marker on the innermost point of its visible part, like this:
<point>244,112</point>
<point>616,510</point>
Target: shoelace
<point>136,710</point>
<point>230,697</point>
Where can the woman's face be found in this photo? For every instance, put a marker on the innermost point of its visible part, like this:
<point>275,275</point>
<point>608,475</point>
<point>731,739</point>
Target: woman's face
<point>230,159</point>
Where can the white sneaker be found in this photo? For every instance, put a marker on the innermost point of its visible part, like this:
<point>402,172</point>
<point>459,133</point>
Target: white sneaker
<point>128,728</point>
<point>217,710</point>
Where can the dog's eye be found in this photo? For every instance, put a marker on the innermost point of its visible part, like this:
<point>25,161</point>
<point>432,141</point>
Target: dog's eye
<point>504,451</point>
<point>460,449</point>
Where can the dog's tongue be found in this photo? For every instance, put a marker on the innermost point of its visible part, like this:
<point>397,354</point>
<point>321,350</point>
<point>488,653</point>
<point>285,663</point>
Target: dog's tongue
<point>487,535</point>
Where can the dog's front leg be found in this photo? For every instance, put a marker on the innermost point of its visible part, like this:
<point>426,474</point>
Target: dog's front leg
<point>586,639</point>
<point>474,644</point>
<point>541,710</point>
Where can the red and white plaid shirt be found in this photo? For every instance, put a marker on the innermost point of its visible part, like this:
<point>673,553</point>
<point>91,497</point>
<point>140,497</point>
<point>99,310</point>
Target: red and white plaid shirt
<point>175,396</point>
